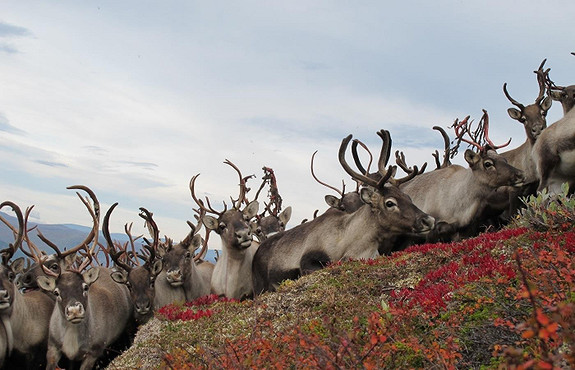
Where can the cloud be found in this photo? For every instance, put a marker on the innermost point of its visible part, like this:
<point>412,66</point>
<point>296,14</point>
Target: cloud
<point>8,48</point>
<point>51,164</point>
<point>7,127</point>
<point>11,31</point>
<point>143,165</point>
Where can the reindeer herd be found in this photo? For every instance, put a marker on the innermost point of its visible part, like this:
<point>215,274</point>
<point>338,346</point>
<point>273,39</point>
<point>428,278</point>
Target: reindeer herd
<point>67,308</point>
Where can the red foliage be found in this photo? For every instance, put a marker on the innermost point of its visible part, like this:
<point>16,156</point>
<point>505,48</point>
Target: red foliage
<point>187,312</point>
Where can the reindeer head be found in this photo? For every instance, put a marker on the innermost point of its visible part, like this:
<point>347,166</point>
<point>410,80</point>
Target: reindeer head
<point>393,209</point>
<point>533,116</point>
<point>563,94</point>
<point>8,270</point>
<point>140,280</point>
<point>60,260</point>
<point>494,169</point>
<point>232,225</point>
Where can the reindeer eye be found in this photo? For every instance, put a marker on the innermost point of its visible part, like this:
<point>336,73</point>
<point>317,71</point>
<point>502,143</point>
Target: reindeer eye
<point>56,292</point>
<point>11,276</point>
<point>488,164</point>
<point>85,287</point>
<point>390,203</point>
<point>188,255</point>
<point>54,267</point>
<point>222,225</point>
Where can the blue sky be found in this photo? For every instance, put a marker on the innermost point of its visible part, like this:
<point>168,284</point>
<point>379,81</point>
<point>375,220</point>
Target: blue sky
<point>133,98</point>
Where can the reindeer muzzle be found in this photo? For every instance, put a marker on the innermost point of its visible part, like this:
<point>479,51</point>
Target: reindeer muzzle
<point>75,313</point>
<point>4,299</point>
<point>518,180</point>
<point>175,278</point>
<point>424,224</point>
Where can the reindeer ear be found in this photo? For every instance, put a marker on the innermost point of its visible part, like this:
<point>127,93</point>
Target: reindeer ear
<point>251,209</point>
<point>367,195</point>
<point>196,242</point>
<point>285,215</point>
<point>514,113</point>
<point>91,275</point>
<point>332,201</point>
<point>555,95</point>
<point>156,267</point>
<point>47,283</point>
<point>210,222</point>
<point>119,277</point>
<point>17,265</point>
<point>546,103</point>
<point>70,259</point>
<point>471,157</point>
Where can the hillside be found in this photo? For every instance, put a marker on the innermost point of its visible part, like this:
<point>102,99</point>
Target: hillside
<point>498,300</point>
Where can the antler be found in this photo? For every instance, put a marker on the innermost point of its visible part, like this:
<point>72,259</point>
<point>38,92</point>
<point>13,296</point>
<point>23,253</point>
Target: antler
<point>542,77</point>
<point>448,153</point>
<point>243,188</point>
<point>411,172</point>
<point>482,132</point>
<point>273,193</point>
<point>154,232</point>
<point>200,203</point>
<point>340,192</point>
<point>7,253</point>
<point>92,236</point>
<point>115,254</point>
<point>513,101</point>
<point>35,253</point>
<point>361,177</point>
<point>355,156</point>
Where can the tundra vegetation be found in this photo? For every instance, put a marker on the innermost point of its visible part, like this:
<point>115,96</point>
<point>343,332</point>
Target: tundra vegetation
<point>502,299</point>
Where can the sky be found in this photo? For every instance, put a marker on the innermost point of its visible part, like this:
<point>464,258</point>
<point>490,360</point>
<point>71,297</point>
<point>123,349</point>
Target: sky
<point>133,98</point>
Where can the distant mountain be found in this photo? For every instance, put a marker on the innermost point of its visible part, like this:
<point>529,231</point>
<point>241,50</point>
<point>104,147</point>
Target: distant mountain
<point>64,236</point>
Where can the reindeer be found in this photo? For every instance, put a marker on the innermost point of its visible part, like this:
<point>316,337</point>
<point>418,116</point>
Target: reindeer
<point>455,195</point>
<point>139,280</point>
<point>338,235</point>
<point>232,273</point>
<point>554,151</point>
<point>25,317</point>
<point>182,271</point>
<point>533,118</point>
<point>563,94</point>
<point>87,317</point>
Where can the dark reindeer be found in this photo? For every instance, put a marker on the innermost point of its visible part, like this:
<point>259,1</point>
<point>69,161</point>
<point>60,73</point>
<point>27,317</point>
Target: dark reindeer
<point>455,195</point>
<point>25,317</point>
<point>232,273</point>
<point>140,280</point>
<point>334,236</point>
<point>554,151</point>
